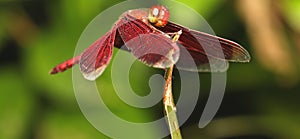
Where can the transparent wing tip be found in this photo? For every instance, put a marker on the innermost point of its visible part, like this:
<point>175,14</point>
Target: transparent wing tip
<point>92,76</point>
<point>244,57</point>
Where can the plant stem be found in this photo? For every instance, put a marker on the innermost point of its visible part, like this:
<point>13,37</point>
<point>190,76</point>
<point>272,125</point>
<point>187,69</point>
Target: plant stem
<point>169,106</point>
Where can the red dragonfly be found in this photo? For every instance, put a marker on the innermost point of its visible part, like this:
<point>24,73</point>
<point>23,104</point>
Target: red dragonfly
<point>149,36</point>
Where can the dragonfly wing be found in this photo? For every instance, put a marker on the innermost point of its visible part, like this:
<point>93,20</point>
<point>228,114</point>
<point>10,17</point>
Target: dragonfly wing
<point>197,62</point>
<point>205,48</point>
<point>95,58</point>
<point>147,44</point>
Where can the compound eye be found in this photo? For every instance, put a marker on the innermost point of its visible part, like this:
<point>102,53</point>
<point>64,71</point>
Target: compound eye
<point>155,12</point>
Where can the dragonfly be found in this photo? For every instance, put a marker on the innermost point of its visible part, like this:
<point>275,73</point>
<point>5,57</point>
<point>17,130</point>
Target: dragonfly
<point>149,36</point>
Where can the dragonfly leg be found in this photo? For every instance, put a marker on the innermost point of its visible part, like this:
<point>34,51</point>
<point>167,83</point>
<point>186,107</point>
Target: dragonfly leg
<point>175,35</point>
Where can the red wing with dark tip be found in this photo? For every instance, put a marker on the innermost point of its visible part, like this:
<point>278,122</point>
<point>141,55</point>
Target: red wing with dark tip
<point>203,47</point>
<point>96,57</point>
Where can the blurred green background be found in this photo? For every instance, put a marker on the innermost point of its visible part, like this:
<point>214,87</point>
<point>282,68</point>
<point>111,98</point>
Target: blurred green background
<point>261,99</point>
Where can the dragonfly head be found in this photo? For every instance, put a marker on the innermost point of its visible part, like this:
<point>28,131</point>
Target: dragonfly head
<point>158,15</point>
